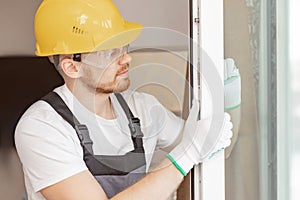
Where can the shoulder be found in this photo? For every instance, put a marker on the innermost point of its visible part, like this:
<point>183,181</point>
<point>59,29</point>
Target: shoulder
<point>47,146</point>
<point>39,109</point>
<point>41,122</point>
<point>40,112</point>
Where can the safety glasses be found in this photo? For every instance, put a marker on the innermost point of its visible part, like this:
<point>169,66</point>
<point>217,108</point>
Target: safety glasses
<point>101,59</point>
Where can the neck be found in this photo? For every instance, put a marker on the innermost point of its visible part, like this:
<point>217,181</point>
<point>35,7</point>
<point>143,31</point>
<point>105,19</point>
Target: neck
<point>98,103</point>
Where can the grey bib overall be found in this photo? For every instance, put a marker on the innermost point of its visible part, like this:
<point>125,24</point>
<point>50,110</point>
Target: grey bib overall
<point>114,173</point>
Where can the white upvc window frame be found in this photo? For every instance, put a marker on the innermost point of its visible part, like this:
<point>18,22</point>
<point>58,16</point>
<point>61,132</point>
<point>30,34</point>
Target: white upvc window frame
<point>207,31</point>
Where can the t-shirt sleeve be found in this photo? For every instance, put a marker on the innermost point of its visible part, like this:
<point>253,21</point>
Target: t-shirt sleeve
<point>171,129</point>
<point>47,153</point>
<point>162,123</point>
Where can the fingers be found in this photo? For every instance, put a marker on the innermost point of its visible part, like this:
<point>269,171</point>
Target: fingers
<point>227,130</point>
<point>227,143</point>
<point>225,140</point>
<point>227,134</point>
<point>227,124</point>
<point>227,116</point>
<point>230,69</point>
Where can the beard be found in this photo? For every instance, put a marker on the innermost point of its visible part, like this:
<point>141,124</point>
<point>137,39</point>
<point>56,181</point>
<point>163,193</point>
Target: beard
<point>103,83</point>
<point>117,86</point>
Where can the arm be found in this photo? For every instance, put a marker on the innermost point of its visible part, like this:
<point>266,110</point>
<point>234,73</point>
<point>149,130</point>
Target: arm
<point>79,186</point>
<point>165,179</point>
<point>54,165</point>
<point>158,184</point>
<point>68,179</point>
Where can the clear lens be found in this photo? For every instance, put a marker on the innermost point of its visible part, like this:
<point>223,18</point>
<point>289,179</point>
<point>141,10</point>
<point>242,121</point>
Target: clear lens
<point>102,59</point>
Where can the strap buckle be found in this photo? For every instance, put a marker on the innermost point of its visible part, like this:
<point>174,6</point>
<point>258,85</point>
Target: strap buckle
<point>135,127</point>
<point>83,134</point>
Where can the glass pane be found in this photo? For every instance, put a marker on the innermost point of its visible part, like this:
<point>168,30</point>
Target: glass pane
<point>294,98</point>
<point>241,37</point>
<point>289,101</point>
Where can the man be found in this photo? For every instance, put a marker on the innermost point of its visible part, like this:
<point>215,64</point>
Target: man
<point>75,142</point>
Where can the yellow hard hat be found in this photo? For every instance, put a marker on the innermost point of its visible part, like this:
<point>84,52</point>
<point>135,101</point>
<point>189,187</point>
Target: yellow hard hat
<point>78,26</point>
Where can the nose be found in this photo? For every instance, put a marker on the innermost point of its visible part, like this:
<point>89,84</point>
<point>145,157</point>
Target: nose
<point>125,59</point>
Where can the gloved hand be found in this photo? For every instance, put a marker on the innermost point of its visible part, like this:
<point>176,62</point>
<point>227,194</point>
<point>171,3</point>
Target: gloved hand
<point>201,139</point>
<point>232,85</point>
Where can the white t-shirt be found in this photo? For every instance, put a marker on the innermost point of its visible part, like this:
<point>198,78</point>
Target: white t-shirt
<point>50,150</point>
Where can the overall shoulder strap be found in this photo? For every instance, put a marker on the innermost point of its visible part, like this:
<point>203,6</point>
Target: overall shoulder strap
<point>63,110</point>
<point>134,123</point>
<point>124,106</point>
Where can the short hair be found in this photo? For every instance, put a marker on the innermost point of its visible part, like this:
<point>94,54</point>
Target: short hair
<point>55,60</point>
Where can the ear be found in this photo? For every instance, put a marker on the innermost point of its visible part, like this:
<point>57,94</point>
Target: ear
<point>70,68</point>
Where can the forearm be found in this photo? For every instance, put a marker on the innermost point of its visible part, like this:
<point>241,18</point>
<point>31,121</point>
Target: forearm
<point>158,184</point>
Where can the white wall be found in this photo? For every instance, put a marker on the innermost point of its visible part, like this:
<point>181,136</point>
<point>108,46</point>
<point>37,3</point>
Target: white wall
<point>17,16</point>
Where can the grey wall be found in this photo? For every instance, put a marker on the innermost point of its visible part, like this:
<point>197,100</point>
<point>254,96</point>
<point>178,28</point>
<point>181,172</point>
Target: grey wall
<point>16,27</point>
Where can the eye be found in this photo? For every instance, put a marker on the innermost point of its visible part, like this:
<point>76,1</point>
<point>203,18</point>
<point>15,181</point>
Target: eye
<point>126,49</point>
<point>109,53</point>
<point>116,52</point>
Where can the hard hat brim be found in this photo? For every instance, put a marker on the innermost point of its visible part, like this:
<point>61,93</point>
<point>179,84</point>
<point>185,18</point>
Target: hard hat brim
<point>122,38</point>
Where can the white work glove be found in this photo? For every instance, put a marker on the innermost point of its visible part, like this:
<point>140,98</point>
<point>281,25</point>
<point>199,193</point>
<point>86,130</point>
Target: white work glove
<point>201,139</point>
<point>232,85</point>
